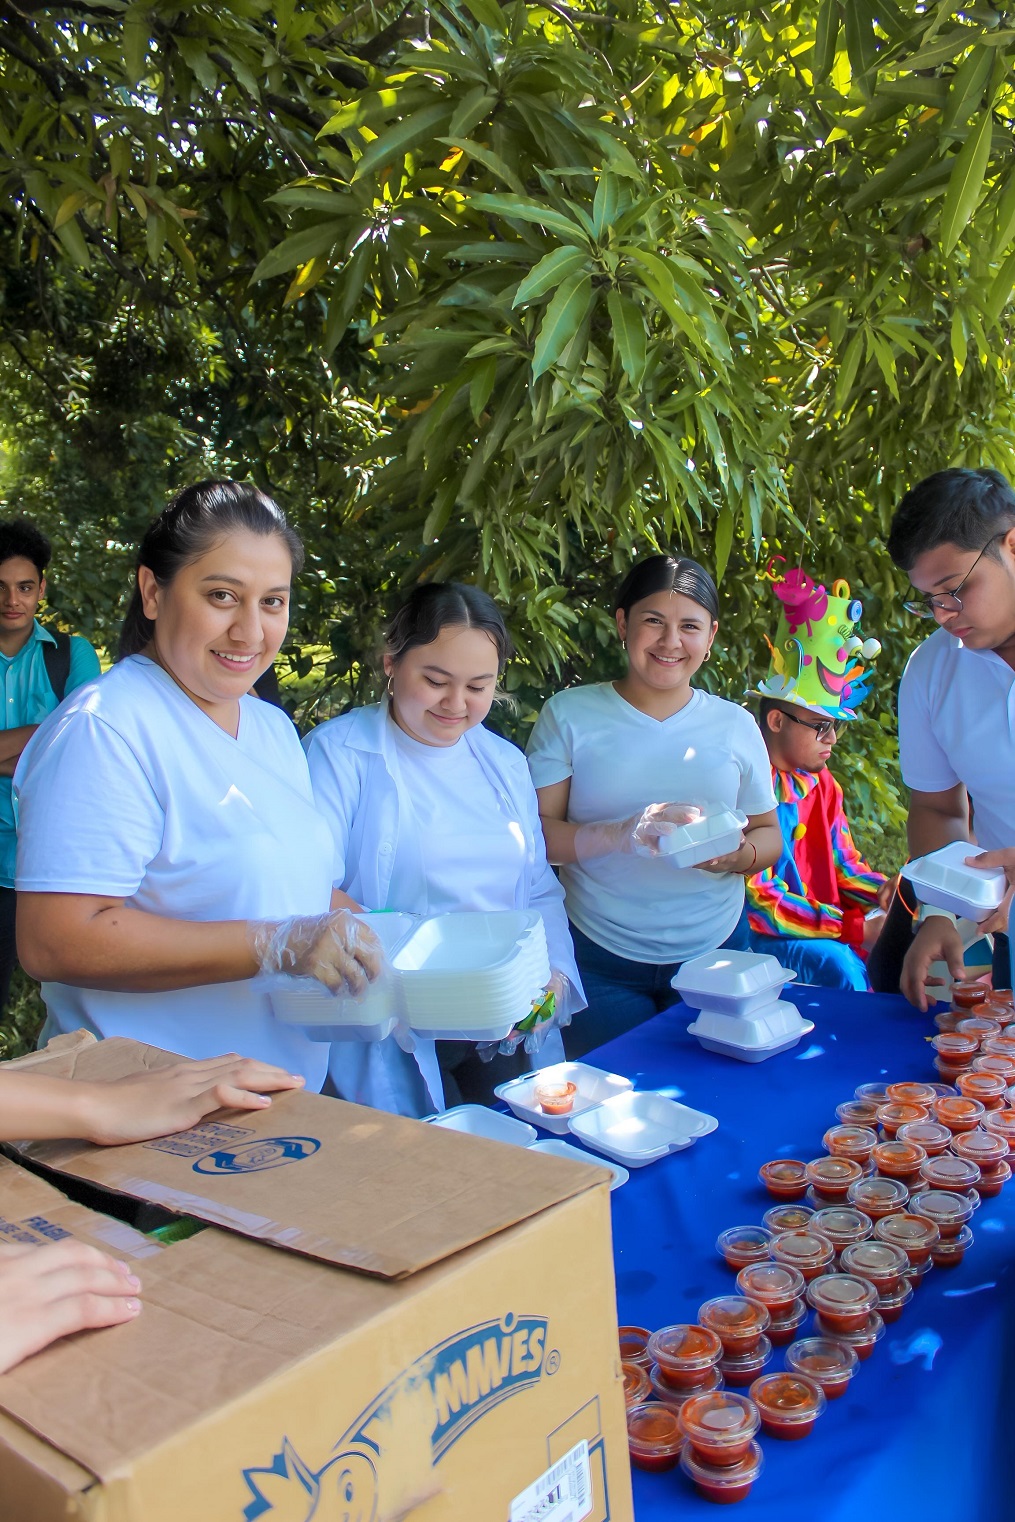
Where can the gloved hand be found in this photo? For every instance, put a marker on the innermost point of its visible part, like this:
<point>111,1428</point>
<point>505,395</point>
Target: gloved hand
<point>546,1015</point>
<point>637,836</point>
<point>335,948</point>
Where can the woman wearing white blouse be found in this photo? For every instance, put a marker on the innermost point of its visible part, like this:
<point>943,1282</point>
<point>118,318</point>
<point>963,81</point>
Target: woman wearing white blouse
<point>433,813</point>
<point>619,764</point>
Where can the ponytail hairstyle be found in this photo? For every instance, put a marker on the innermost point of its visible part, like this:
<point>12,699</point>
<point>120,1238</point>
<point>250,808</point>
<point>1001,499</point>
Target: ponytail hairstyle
<point>441,605</point>
<point>196,519</point>
<point>667,573</point>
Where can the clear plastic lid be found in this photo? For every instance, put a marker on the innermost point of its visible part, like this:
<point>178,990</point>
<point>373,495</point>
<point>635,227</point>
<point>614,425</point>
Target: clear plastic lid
<point>736,1321</point>
<point>913,1233</point>
<point>842,1296</point>
<point>634,1345</point>
<point>789,1320</point>
<point>857,1112</point>
<point>1004,1067</point>
<point>950,1172</point>
<point>894,1301</point>
<point>951,1249</point>
<point>862,1340</point>
<point>878,1262</point>
<point>723,1481</point>
<point>968,992</point>
<point>992,1180</point>
<point>744,1244</point>
<point>909,1093</point>
<point>788,1398</point>
<point>791,1217</point>
<point>684,1348</point>
<point>802,1249</point>
<point>1000,1121</point>
<point>984,1148</point>
<point>999,1046</point>
<point>898,1159</point>
<point>875,1092</point>
<point>978,1025</point>
<point>877,1197</point>
<point>653,1431</point>
<point>842,1224</point>
<point>956,1046</point>
<point>671,1395</point>
<point>784,1176</point>
<point>737,1368</point>
<point>719,1419</point>
<point>931,1135</point>
<point>833,1175</point>
<point>988,1088</point>
<point>824,1359</point>
<point>637,1385</point>
<point>774,1284</point>
<point>856,1142</point>
<point>948,1211</point>
<point>893,1115</point>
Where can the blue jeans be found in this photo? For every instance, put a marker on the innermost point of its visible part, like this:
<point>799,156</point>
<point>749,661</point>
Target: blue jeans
<point>827,963</point>
<point>622,993</point>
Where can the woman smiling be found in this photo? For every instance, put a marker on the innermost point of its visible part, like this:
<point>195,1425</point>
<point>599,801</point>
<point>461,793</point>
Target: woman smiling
<point>621,764</point>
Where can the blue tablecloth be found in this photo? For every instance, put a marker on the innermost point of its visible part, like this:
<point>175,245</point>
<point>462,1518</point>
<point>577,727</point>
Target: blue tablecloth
<point>920,1435</point>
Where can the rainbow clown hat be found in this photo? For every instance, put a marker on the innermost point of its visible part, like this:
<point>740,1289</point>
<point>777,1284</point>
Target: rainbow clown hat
<point>817,654</point>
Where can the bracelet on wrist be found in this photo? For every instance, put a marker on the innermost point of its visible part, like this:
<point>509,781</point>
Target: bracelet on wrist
<point>747,871</point>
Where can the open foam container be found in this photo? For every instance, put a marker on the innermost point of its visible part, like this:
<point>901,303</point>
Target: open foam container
<point>716,832</point>
<point>466,977</point>
<point>942,880</point>
<point>477,1120</point>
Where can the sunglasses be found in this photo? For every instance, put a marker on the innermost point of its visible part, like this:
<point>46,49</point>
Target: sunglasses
<point>823,728</point>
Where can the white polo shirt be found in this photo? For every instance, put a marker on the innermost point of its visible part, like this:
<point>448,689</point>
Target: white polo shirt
<point>957,724</point>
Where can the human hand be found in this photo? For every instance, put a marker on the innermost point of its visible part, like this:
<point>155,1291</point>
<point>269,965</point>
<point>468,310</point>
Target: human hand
<point>886,893</point>
<point>48,1292</point>
<point>335,948</point>
<point>733,861</point>
<point>1004,859</point>
<point>937,940</point>
<point>547,1014</point>
<point>144,1105</point>
<point>873,925</point>
<point>638,835</point>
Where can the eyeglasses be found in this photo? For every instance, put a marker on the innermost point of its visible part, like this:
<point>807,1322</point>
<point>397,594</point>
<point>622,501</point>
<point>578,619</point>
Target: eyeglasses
<point>822,729</point>
<point>948,602</point>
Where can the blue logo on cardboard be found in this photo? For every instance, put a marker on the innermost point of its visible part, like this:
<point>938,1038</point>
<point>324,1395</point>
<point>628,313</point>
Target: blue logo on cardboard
<point>256,1156</point>
<point>456,1383</point>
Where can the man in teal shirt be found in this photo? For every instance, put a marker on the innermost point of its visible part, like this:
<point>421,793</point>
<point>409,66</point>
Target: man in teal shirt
<point>28,692</point>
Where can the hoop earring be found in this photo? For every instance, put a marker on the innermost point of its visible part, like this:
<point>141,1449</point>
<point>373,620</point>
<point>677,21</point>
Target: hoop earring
<point>708,653</point>
<point>391,689</point>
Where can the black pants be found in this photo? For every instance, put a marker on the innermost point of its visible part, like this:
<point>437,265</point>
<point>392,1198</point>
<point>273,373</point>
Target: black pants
<point>8,942</point>
<point>885,965</point>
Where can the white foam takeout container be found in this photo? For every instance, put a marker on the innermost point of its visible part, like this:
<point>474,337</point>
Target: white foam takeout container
<point>467,977</point>
<point>716,832</point>
<point>942,880</point>
<point>557,1148</point>
<point>477,1120</point>
<point>638,1128</point>
<point>751,1038</point>
<point>593,1084</point>
<point>731,982</point>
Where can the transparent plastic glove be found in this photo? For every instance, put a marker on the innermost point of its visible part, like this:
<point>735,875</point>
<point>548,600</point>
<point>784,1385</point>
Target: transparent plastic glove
<point>637,836</point>
<point>546,1015</point>
<point>336,948</point>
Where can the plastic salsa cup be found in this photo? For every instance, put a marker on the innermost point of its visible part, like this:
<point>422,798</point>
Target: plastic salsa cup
<point>724,1484</point>
<point>948,1211</point>
<point>637,1385</point>
<point>710,1380</point>
<point>654,1438</point>
<point>1001,1123</point>
<point>791,1217</point>
<point>788,1404</point>
<point>993,1180</point>
<point>988,1088</point>
<point>871,1091</point>
<point>893,1115</point>
<point>879,1197</point>
<point>910,1093</point>
<point>857,1112</point>
<point>738,1322</point>
<point>955,1047</point>
<point>984,1148</point>
<point>740,1245</point>
<point>950,1172</point>
<point>634,1345</point>
<point>842,1224</point>
<point>809,1251</point>
<point>1000,1046</point>
<point>826,1360</point>
<point>556,1098</point>
<point>775,1285</point>
<point>856,1142</point>
<point>949,1254</point>
<point>881,1264</point>
<point>981,1024</point>
<point>843,1301</point>
<point>742,1368</point>
<point>919,1271</point>
<point>915,1234</point>
<point>899,1159</point>
<point>1003,1066</point>
<point>892,1304</point>
<point>931,1135</point>
<point>785,1327</point>
<point>685,1355</point>
<point>863,1341</point>
<point>719,1426</point>
<point>832,1176</point>
<point>785,1178</point>
<point>967,993</point>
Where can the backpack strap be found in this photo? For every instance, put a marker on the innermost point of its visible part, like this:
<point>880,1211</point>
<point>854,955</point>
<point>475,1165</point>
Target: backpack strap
<point>57,660</point>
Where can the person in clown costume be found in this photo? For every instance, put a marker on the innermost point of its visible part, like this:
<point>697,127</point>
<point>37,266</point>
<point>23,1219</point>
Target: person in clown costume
<point>813,908</point>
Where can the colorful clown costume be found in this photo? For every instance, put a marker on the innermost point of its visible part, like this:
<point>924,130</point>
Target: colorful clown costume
<point>808,910</point>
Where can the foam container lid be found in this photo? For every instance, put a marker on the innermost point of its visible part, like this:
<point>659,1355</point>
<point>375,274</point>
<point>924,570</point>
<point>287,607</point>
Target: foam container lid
<point>754,1032</point>
<point>557,1148</point>
<point>943,881</point>
<point>639,1127</point>
<point>715,832</point>
<point>477,1120</point>
<point>733,982</point>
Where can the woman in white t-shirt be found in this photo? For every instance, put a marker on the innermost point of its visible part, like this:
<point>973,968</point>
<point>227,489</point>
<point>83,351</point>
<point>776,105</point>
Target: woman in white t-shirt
<point>169,850</point>
<point>616,766</point>
<point>433,813</point>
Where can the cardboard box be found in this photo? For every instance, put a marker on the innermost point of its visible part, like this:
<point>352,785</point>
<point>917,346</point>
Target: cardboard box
<point>385,1320</point>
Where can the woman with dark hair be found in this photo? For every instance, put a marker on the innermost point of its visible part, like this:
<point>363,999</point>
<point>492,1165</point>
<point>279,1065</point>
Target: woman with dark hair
<point>619,765</point>
<point>433,813</point>
<point>169,850</point>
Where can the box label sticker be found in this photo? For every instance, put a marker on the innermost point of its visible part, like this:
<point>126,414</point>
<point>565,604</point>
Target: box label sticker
<point>562,1494</point>
<point>199,1139</point>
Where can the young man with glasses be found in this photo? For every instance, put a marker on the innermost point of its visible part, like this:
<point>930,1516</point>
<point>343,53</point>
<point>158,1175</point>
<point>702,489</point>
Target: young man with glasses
<point>954,536</point>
